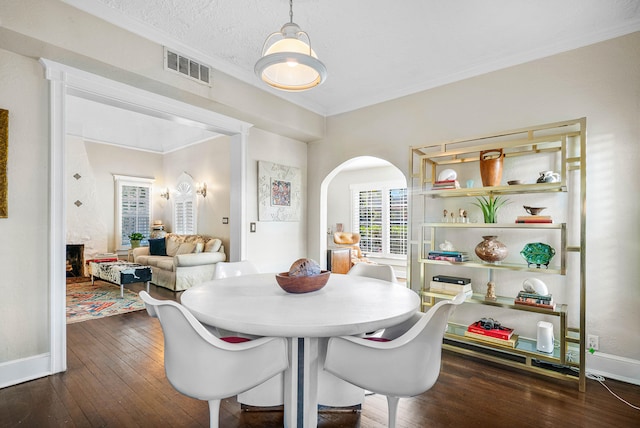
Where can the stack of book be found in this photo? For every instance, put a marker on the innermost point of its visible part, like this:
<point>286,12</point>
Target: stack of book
<point>103,257</point>
<point>449,256</point>
<point>498,336</point>
<point>450,285</point>
<point>534,219</point>
<point>445,184</point>
<point>536,300</point>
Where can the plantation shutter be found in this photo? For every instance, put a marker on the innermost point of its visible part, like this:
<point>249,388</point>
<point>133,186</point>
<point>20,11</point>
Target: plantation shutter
<point>184,220</point>
<point>135,211</point>
<point>398,214</point>
<point>370,224</point>
<point>185,205</point>
<point>380,215</point>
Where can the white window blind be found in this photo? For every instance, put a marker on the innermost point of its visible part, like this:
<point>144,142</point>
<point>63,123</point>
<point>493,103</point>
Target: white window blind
<point>398,216</point>
<point>133,208</point>
<point>184,221</point>
<point>380,216</point>
<point>370,221</point>
<point>185,206</point>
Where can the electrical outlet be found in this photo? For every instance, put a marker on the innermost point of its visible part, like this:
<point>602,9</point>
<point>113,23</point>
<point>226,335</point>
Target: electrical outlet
<point>593,342</point>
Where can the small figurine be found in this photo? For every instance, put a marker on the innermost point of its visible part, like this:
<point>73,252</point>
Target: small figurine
<point>491,291</point>
<point>447,246</point>
<point>444,216</point>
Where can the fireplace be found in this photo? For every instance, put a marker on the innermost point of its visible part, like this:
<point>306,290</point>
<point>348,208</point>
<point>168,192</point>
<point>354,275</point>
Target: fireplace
<point>75,260</point>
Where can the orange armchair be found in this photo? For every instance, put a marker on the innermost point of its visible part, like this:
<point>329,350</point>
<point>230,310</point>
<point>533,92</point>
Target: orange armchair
<point>350,240</point>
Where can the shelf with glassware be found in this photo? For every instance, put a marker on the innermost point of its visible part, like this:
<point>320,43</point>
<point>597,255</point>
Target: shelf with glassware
<point>558,146</point>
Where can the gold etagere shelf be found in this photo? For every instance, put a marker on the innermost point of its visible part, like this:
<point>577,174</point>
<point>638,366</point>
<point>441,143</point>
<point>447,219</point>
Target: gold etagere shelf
<point>566,142</point>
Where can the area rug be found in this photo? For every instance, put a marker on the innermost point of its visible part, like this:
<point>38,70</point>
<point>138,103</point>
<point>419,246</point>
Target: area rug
<point>87,302</point>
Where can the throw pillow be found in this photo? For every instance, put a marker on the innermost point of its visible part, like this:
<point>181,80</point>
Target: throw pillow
<point>157,247</point>
<point>186,248</point>
<point>173,243</point>
<point>199,247</point>
<point>212,245</point>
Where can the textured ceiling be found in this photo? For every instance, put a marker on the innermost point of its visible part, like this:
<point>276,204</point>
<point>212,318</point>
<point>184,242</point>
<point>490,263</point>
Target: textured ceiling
<point>374,50</point>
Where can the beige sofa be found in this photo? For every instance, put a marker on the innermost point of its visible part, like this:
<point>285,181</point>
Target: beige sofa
<point>189,260</point>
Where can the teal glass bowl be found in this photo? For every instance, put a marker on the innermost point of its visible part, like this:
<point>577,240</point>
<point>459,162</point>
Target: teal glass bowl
<point>538,254</point>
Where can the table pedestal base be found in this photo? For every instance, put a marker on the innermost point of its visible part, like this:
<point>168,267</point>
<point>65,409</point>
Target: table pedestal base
<point>306,384</point>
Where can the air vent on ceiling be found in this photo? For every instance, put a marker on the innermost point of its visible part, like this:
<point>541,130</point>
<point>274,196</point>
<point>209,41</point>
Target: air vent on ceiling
<point>187,67</point>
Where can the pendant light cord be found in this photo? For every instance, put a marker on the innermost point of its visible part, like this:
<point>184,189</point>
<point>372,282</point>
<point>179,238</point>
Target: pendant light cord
<point>291,11</point>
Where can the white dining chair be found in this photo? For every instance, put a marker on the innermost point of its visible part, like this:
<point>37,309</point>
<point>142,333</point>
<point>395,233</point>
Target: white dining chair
<point>229,269</point>
<point>203,366</point>
<point>402,367</point>
<point>384,272</point>
<point>271,392</point>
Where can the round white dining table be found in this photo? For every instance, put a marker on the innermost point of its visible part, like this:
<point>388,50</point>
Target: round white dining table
<point>346,305</point>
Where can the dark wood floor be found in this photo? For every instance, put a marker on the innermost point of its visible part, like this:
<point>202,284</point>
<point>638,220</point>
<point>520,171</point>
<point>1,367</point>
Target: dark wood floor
<point>116,378</point>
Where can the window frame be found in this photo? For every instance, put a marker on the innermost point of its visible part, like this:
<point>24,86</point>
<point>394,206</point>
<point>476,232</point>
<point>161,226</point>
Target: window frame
<point>386,188</point>
<point>124,180</point>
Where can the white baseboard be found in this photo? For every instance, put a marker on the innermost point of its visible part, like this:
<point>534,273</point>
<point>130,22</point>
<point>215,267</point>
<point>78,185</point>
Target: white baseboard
<point>613,367</point>
<point>25,369</point>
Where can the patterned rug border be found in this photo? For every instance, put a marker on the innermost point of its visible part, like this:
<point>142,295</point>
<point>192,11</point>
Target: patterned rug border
<point>87,302</point>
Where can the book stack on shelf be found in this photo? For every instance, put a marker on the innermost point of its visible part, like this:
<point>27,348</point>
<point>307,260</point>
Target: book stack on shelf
<point>536,300</point>
<point>445,184</point>
<point>534,219</point>
<point>449,256</point>
<point>498,335</point>
<point>452,285</point>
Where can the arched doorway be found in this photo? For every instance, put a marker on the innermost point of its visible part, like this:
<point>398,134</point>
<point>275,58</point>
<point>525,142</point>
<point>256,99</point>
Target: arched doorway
<point>341,193</point>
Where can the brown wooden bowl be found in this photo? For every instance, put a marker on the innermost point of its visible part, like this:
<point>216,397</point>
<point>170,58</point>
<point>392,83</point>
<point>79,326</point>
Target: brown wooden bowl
<point>302,284</point>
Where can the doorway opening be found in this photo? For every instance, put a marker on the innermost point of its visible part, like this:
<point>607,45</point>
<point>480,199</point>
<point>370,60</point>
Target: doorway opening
<point>341,193</point>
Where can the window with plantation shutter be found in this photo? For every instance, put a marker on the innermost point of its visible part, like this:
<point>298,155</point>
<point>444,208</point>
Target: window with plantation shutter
<point>370,221</point>
<point>185,206</point>
<point>380,216</point>
<point>133,209</point>
<point>398,214</point>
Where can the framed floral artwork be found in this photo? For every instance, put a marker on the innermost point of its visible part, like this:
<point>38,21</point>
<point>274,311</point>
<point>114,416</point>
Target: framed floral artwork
<point>279,192</point>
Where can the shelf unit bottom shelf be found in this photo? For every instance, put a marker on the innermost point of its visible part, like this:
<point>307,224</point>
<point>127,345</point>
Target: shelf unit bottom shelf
<point>523,356</point>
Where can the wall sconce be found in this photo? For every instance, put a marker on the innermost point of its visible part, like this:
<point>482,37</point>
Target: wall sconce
<point>201,189</point>
<point>165,193</point>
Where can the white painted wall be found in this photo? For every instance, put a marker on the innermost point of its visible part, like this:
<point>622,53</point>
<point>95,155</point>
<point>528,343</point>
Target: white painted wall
<point>275,245</point>
<point>206,162</point>
<point>24,287</point>
<point>599,82</point>
<point>93,223</point>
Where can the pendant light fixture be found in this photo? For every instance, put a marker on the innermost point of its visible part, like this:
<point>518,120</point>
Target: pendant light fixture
<point>288,62</point>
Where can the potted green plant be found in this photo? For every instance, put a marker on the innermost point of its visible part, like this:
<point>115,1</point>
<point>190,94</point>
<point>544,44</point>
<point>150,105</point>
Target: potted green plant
<point>490,206</point>
<point>135,239</point>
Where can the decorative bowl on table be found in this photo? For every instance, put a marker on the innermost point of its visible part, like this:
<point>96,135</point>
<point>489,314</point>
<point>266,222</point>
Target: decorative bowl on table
<point>302,283</point>
<point>304,276</point>
<point>538,254</point>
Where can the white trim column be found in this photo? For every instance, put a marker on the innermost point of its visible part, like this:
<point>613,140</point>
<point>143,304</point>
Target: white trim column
<point>57,229</point>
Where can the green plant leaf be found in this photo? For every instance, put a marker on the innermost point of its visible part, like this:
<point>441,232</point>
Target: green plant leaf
<point>489,207</point>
